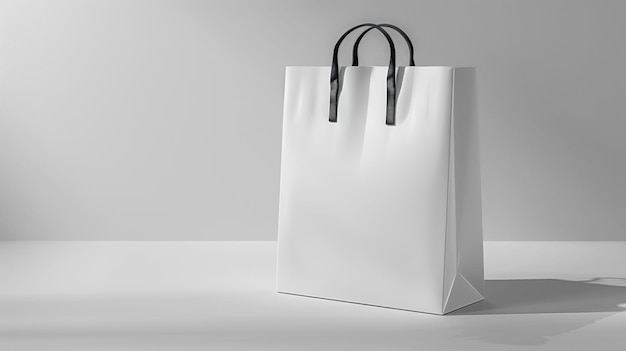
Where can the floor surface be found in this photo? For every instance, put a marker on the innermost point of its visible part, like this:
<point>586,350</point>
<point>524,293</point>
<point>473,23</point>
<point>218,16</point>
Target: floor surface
<point>220,296</point>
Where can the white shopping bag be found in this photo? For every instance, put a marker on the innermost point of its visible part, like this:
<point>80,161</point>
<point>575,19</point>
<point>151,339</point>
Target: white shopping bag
<point>382,205</point>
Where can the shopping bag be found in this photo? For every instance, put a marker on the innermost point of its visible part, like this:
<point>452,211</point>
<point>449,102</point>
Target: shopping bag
<point>380,200</point>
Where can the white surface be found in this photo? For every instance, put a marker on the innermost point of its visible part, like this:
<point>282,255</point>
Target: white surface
<point>378,214</point>
<point>161,119</point>
<point>220,296</point>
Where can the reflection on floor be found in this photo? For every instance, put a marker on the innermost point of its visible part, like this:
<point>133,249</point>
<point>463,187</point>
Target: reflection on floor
<point>220,296</point>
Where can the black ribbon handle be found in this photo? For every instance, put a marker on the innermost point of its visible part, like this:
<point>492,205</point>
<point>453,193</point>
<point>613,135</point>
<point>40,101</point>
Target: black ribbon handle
<point>391,77</point>
<point>355,49</point>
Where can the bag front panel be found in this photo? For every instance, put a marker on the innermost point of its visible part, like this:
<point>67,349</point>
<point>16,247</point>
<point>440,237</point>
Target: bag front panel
<point>362,214</point>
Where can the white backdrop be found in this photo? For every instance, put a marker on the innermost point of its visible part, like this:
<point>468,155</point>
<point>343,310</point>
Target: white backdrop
<point>161,120</point>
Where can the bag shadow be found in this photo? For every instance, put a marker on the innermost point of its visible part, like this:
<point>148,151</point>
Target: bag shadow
<point>526,296</point>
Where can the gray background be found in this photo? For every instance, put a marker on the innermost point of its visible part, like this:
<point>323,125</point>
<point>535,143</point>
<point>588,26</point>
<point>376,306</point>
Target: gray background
<point>161,120</point>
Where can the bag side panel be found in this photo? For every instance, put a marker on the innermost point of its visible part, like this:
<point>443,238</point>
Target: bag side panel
<point>467,179</point>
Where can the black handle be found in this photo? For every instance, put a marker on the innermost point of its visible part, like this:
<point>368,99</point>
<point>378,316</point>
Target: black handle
<point>355,50</point>
<point>391,77</point>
